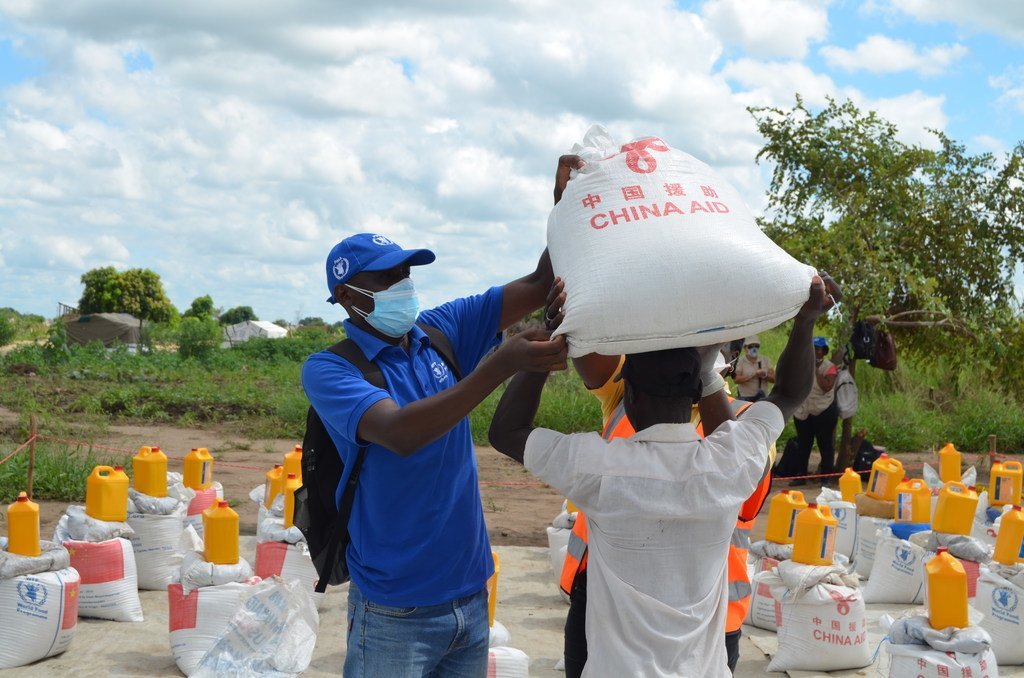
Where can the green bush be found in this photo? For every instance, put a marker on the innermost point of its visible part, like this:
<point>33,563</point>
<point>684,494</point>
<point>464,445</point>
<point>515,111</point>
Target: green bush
<point>198,337</point>
<point>8,329</point>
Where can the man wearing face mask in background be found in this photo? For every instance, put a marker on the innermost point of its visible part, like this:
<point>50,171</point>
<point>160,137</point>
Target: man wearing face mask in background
<point>419,555</point>
<point>753,371</point>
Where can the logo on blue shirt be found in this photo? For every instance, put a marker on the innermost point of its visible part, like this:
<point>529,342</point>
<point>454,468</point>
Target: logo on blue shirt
<point>440,370</point>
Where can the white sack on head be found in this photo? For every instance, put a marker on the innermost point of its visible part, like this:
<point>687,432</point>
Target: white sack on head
<point>639,237</point>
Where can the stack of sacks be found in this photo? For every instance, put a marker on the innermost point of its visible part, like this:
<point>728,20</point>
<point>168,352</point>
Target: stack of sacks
<point>765,612</point>
<point>201,604</point>
<point>897,573</point>
<point>872,514</point>
<point>198,500</point>
<point>504,661</point>
<point>846,514</point>
<point>916,649</point>
<point>646,206</point>
<point>106,563</point>
<point>159,525</point>
<point>1000,597</point>
<point>971,553</point>
<point>558,541</point>
<point>822,619</point>
<point>280,550</point>
<point>272,633</point>
<point>38,604</point>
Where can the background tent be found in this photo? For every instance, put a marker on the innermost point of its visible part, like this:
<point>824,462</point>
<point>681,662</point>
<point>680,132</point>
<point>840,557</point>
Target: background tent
<point>248,329</point>
<point>106,327</point>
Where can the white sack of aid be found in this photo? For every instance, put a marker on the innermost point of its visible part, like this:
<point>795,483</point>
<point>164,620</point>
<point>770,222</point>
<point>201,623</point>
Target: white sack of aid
<point>641,238</point>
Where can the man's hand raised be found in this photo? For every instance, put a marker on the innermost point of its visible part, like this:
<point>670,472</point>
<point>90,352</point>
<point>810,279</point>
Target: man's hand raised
<point>533,350</point>
<point>566,163</point>
<point>825,294</point>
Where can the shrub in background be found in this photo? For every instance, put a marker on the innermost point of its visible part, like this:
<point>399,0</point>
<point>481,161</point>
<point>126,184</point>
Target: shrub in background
<point>198,337</point>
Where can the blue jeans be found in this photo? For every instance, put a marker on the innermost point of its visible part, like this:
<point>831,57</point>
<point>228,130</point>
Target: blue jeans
<point>450,639</point>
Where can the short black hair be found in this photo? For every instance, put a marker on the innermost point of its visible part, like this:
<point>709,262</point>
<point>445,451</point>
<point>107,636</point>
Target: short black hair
<point>670,373</point>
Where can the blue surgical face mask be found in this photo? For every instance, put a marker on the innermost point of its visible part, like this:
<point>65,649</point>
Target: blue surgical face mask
<point>752,351</point>
<point>394,310</point>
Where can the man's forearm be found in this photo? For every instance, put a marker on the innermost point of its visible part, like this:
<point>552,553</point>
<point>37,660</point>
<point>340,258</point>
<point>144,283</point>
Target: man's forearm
<point>513,418</point>
<point>795,373</point>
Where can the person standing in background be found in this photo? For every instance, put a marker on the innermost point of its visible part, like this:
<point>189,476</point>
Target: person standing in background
<point>815,420</point>
<point>753,371</point>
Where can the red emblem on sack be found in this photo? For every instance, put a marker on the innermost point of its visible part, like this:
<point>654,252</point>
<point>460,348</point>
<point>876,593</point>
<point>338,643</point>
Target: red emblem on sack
<point>637,152</point>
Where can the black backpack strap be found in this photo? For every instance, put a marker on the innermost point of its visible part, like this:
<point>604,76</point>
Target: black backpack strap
<point>350,351</point>
<point>443,346</point>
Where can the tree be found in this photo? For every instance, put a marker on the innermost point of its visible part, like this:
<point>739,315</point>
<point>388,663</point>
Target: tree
<point>310,321</point>
<point>202,307</point>
<point>138,291</point>
<point>237,314</point>
<point>918,238</point>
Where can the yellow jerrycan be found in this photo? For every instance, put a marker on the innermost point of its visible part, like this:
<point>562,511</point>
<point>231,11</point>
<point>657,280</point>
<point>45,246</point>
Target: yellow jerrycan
<point>815,540</point>
<point>947,591</point>
<point>198,469</point>
<point>220,534</point>
<point>106,494</point>
<point>273,485</point>
<point>886,474</point>
<point>570,507</point>
<point>1004,483</point>
<point>954,510</point>
<point>913,502</point>
<point>850,485</point>
<point>949,463</point>
<point>492,589</point>
<point>23,527</point>
<point>293,463</point>
<point>291,483</point>
<point>1010,538</point>
<point>782,512</point>
<point>149,471</point>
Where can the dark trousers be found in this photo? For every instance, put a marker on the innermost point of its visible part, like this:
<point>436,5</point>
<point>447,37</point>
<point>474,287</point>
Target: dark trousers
<point>575,647</point>
<point>820,428</point>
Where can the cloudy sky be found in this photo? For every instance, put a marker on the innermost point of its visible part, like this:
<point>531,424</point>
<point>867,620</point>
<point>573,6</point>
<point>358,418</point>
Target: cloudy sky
<point>228,145</point>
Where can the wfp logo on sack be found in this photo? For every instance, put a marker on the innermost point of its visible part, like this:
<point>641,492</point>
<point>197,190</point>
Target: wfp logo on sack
<point>32,594</point>
<point>439,369</point>
<point>839,514</point>
<point>340,267</point>
<point>1004,599</point>
<point>382,240</point>
<point>905,555</point>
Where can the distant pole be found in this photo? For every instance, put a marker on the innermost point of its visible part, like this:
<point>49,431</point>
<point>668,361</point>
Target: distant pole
<point>31,452</point>
<point>991,451</point>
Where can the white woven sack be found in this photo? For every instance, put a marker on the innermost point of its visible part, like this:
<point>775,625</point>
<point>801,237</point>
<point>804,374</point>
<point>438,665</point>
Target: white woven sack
<point>897,574</point>
<point>198,619</point>
<point>910,661</point>
<point>639,237</point>
<point>291,562</point>
<point>867,539</point>
<point>507,662</point>
<point>825,629</point>
<point>38,616</point>
<point>558,541</point>
<point>110,588</point>
<point>203,500</point>
<point>1002,602</point>
<point>157,546</point>
<point>765,611</point>
<point>499,635</point>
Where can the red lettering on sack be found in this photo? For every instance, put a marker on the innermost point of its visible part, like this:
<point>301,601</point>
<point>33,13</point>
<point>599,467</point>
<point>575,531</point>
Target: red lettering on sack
<point>594,221</point>
<point>674,189</point>
<point>652,211</point>
<point>637,153</point>
<point>270,558</point>
<point>697,207</point>
<point>615,216</point>
<point>632,192</point>
<point>182,610</point>
<point>670,208</point>
<point>709,192</point>
<point>591,200</point>
<point>721,208</point>
<point>633,213</point>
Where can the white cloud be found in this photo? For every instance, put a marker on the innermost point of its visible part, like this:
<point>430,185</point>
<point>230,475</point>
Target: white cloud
<point>1003,17</point>
<point>1010,83</point>
<point>882,54</point>
<point>769,28</point>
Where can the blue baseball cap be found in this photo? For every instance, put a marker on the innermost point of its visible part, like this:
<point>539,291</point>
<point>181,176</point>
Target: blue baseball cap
<point>820,342</point>
<point>368,252</point>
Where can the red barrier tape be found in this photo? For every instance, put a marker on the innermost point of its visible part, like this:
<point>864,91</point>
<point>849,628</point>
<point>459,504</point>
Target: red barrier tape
<point>18,449</point>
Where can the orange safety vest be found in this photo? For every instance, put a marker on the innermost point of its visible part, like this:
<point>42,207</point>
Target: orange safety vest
<point>619,426</point>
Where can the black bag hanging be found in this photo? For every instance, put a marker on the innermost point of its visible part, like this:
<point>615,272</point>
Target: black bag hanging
<point>863,340</point>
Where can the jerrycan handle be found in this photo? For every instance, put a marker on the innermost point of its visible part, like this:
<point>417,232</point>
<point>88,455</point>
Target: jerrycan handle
<point>917,484</point>
<point>956,486</point>
<point>1012,464</point>
<point>798,496</point>
<point>96,471</point>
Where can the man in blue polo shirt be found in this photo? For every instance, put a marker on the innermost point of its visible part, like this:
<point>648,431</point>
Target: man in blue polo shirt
<point>419,555</point>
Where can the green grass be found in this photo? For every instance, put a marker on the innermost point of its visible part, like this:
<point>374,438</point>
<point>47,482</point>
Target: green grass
<point>60,472</point>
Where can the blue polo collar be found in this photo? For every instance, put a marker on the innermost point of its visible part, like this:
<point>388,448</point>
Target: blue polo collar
<point>372,346</point>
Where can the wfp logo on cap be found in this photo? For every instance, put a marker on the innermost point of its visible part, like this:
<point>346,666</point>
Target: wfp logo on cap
<point>340,267</point>
<point>382,240</point>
